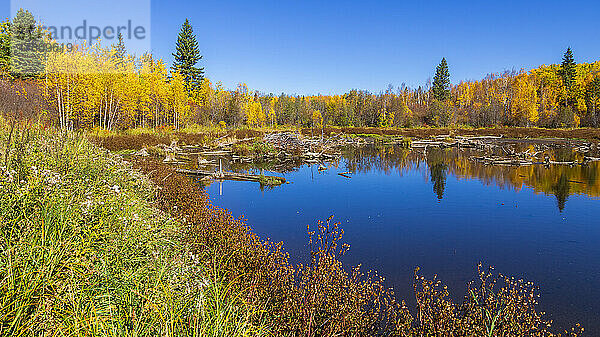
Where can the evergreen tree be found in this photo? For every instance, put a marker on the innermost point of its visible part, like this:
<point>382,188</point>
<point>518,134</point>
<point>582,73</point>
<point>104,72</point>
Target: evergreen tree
<point>187,54</point>
<point>568,70</point>
<point>441,82</point>
<point>120,51</point>
<point>27,46</point>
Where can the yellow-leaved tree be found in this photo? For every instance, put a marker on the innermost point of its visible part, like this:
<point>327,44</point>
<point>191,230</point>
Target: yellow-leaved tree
<point>272,115</point>
<point>524,105</point>
<point>178,100</point>
<point>255,115</point>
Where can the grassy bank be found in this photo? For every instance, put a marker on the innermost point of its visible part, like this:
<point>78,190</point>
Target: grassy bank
<point>93,245</point>
<point>85,252</point>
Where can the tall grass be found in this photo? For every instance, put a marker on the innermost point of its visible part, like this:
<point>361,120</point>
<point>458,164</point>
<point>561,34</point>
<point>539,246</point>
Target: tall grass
<point>84,252</point>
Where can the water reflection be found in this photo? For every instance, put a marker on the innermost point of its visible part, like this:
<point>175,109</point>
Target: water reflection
<point>561,181</point>
<point>436,160</point>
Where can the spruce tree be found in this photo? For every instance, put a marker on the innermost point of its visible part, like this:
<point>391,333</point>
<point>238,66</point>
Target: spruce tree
<point>27,46</point>
<point>186,56</point>
<point>441,82</point>
<point>568,69</point>
<point>120,51</point>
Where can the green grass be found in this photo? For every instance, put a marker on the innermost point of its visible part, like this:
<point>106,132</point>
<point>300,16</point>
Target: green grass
<point>84,252</point>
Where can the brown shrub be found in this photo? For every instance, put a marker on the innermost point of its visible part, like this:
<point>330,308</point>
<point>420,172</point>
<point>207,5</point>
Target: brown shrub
<point>247,133</point>
<point>495,305</point>
<point>139,141</point>
<point>21,99</point>
<point>129,142</point>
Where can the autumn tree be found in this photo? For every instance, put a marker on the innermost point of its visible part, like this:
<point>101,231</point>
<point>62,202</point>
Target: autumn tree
<point>524,105</point>
<point>593,99</point>
<point>255,115</point>
<point>272,115</point>
<point>316,120</point>
<point>4,45</point>
<point>386,118</point>
<point>405,112</point>
<point>178,100</point>
<point>187,55</point>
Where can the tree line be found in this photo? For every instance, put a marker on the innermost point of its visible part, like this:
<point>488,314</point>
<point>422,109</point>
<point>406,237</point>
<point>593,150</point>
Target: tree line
<point>105,87</point>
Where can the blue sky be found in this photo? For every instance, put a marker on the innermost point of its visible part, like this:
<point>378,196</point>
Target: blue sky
<point>310,47</point>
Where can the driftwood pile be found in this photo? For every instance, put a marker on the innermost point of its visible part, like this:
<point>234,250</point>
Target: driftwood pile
<point>516,161</point>
<point>499,151</point>
<point>295,142</point>
<point>308,149</point>
<point>446,141</point>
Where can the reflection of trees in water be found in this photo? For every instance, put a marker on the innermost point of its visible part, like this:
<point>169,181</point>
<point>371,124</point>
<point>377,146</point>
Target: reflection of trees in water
<point>438,178</point>
<point>436,160</point>
<point>558,180</point>
<point>561,191</point>
<point>386,159</point>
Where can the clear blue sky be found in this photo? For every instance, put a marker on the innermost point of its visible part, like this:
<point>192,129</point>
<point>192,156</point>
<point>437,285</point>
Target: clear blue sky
<point>310,47</point>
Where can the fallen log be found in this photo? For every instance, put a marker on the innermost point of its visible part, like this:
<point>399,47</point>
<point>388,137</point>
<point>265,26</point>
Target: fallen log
<point>215,153</point>
<point>264,180</point>
<point>479,137</point>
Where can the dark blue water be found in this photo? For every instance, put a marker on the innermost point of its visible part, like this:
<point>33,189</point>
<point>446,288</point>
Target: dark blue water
<point>445,214</point>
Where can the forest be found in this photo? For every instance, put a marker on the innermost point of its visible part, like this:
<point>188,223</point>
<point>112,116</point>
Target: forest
<point>87,87</point>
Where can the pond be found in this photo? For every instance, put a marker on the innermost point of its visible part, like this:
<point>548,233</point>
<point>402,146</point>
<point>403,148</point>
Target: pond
<point>445,212</point>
